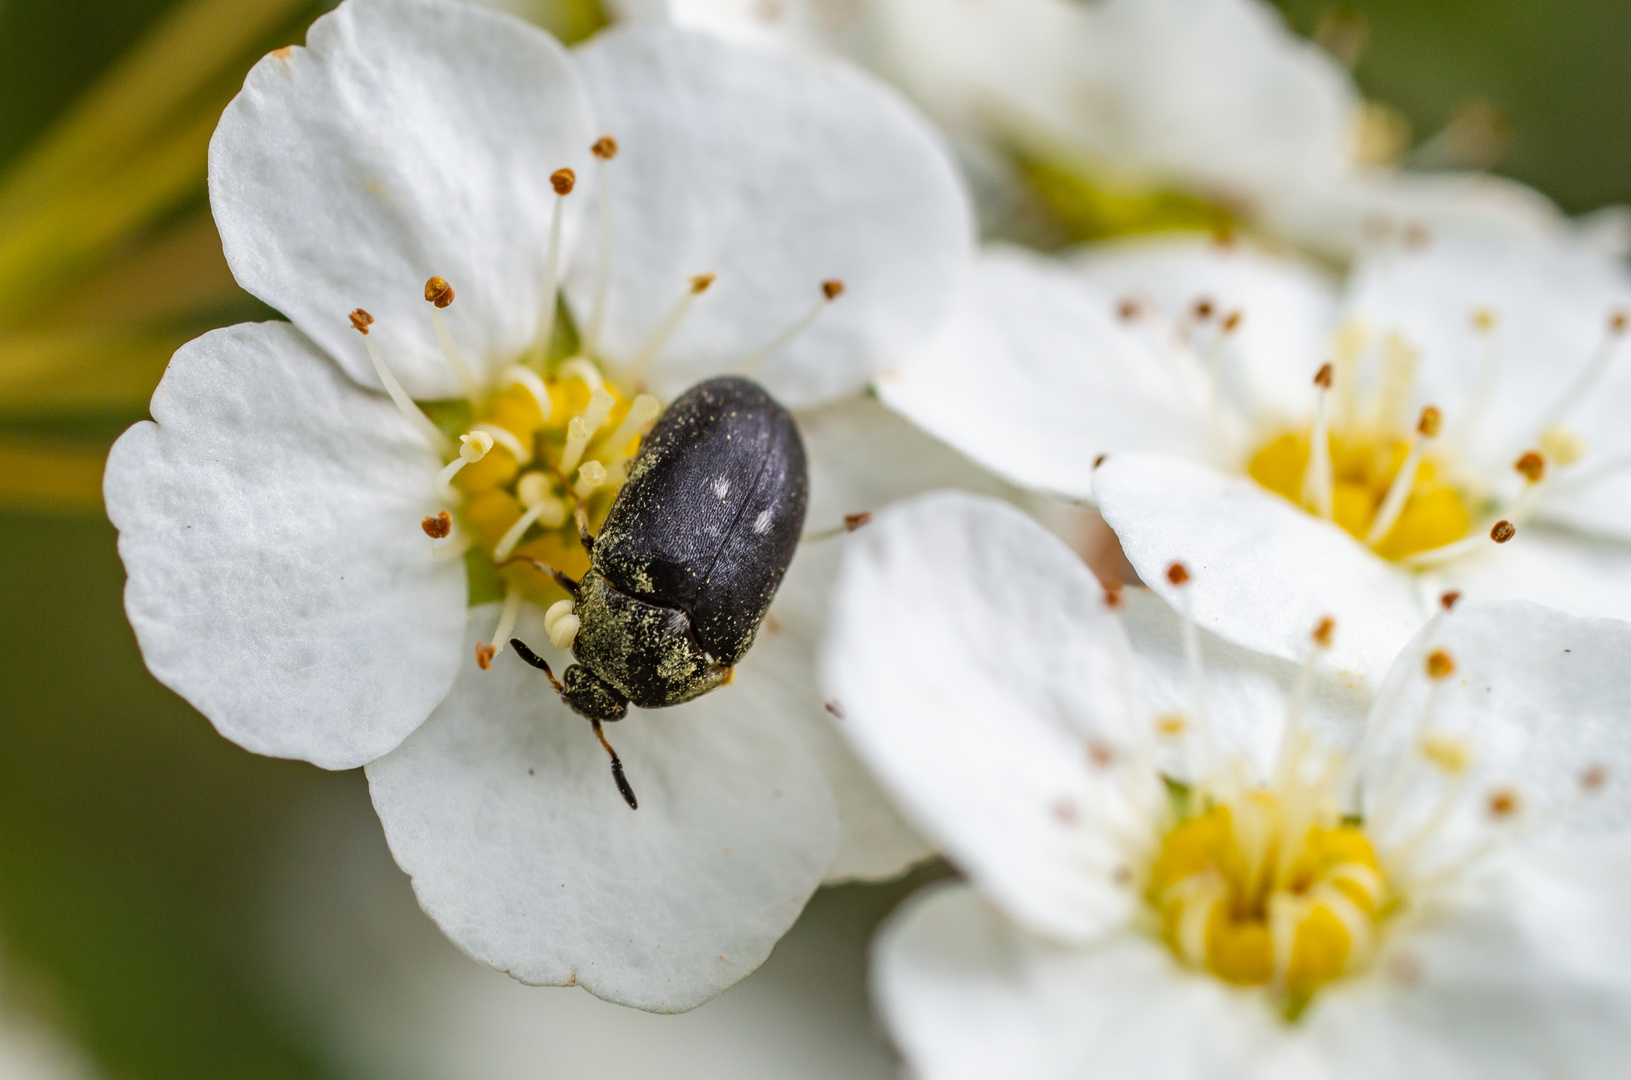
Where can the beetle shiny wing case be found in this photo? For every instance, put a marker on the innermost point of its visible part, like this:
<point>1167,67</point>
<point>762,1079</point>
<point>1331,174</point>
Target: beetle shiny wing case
<point>711,513</point>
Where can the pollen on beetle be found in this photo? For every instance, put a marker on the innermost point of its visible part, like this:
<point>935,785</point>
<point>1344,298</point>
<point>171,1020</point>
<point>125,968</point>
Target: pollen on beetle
<point>1440,665</point>
<point>604,148</point>
<point>832,288</point>
<point>1532,465</point>
<point>1178,574</point>
<point>1502,531</point>
<point>439,292</point>
<point>439,526</point>
<point>563,181</point>
<point>361,321</point>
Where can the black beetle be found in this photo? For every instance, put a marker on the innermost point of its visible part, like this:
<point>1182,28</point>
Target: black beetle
<point>688,559</point>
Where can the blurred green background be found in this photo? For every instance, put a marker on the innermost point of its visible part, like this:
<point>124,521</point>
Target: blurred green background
<point>137,849</point>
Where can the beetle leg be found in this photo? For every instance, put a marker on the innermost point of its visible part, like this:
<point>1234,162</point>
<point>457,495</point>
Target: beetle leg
<point>617,768</point>
<point>582,517</point>
<point>536,661</point>
<point>542,567</point>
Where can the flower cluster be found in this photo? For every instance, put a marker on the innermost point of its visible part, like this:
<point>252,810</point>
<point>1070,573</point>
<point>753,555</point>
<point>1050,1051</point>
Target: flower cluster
<point>1310,783</point>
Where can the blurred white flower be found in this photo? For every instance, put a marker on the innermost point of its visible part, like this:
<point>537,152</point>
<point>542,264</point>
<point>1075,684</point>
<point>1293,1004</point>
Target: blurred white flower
<point>1211,867</point>
<point>1475,389</point>
<point>1128,108</point>
<point>293,536</point>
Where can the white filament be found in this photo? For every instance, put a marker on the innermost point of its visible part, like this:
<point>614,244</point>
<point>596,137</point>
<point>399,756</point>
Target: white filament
<point>404,403</point>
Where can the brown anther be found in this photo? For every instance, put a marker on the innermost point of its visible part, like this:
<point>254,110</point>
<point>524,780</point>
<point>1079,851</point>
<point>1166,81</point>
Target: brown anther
<point>855,521</point>
<point>832,288</point>
<point>439,526</point>
<point>1324,631</point>
<point>1064,811</point>
<point>1223,235</point>
<point>1113,598</point>
<point>1594,778</point>
<point>361,321</point>
<point>835,710</point>
<point>1178,574</point>
<point>1100,460</point>
<point>1449,599</point>
<point>1129,309</point>
<point>1503,531</point>
<point>1503,803</point>
<point>563,181</point>
<point>1231,321</point>
<point>1416,236</point>
<point>700,283</point>
<point>484,655</point>
<point>605,148</point>
<point>1100,754</point>
<point>1323,377</point>
<point>439,292</point>
<point>1618,320</point>
<point>1431,421</point>
<point>1533,466</point>
<point>1203,308</point>
<point>1439,665</point>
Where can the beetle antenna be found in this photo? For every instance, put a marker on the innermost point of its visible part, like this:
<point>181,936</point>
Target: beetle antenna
<point>617,768</point>
<point>538,662</point>
<point>582,517</point>
<point>570,585</point>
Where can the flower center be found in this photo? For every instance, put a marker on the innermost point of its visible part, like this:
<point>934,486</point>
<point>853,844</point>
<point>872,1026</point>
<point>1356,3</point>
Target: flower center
<point>1364,469</point>
<point>1266,889</point>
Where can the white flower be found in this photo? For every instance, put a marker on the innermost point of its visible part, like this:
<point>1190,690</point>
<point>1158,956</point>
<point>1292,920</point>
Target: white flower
<point>1186,362</point>
<point>1187,868</point>
<point>1217,101</point>
<point>293,536</point>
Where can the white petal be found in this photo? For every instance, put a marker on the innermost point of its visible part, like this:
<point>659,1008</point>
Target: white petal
<point>1287,307</point>
<point>1526,973</point>
<point>775,173</point>
<point>1540,697</point>
<point>967,652</point>
<point>1034,377</point>
<point>278,577</point>
<point>970,996</point>
<point>407,139</point>
<point>861,457</point>
<point>1247,693</point>
<point>1551,302</point>
<point>503,810</point>
<point>1579,574</point>
<point>1263,572</point>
